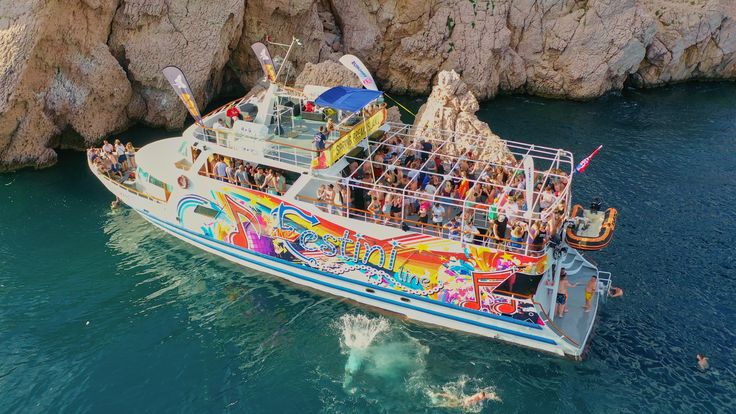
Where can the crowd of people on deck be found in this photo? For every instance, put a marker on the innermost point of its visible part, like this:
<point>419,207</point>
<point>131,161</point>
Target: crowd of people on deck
<point>115,160</point>
<point>410,181</point>
<point>238,172</point>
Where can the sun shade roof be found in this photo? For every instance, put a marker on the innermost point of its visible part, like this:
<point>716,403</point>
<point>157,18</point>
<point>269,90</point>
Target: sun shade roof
<point>346,98</point>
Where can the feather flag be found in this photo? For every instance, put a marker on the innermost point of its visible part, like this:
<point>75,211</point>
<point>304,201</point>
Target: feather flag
<point>179,82</point>
<point>584,163</point>
<point>357,67</point>
<point>265,60</point>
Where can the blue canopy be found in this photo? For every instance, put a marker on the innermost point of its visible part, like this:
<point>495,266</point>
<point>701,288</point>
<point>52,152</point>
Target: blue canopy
<point>346,98</point>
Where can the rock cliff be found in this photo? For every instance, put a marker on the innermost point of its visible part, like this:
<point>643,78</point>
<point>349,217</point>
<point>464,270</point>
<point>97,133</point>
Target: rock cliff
<point>449,115</point>
<point>93,67</point>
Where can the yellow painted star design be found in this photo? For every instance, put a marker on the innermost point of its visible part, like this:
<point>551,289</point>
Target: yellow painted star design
<point>422,248</point>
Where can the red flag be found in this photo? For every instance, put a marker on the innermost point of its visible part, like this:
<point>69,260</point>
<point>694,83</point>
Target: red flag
<point>584,163</point>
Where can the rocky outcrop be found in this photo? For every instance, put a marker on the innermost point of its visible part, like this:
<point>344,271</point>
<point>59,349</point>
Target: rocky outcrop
<point>92,67</point>
<point>56,73</point>
<point>693,40</point>
<point>311,21</point>
<point>449,115</point>
<point>327,73</point>
<point>570,49</point>
<point>196,36</point>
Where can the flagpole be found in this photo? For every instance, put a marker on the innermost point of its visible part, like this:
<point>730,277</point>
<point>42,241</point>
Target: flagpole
<point>286,58</point>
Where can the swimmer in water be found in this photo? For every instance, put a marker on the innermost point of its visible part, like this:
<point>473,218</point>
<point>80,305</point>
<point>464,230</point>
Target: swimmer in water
<point>451,400</point>
<point>615,292</point>
<point>477,398</point>
<point>115,203</point>
<point>702,361</point>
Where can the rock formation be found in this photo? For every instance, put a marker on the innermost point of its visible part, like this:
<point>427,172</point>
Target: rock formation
<point>327,73</point>
<point>449,115</point>
<point>56,72</point>
<point>148,35</point>
<point>572,49</point>
<point>93,67</point>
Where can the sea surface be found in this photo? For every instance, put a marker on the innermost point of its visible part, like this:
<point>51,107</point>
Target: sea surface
<point>102,313</point>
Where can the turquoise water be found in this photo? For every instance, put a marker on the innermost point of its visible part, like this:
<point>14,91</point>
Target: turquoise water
<point>100,312</point>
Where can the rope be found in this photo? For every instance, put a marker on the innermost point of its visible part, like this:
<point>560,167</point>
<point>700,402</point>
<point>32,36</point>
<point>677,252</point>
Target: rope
<point>400,105</point>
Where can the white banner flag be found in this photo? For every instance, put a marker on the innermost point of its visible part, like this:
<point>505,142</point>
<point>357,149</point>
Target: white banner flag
<point>357,67</point>
<point>529,176</point>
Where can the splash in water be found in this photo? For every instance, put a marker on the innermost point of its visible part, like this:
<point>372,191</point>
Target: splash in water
<point>453,395</point>
<point>358,333</point>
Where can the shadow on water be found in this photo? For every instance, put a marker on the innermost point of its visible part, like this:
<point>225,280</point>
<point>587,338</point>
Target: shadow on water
<point>102,312</point>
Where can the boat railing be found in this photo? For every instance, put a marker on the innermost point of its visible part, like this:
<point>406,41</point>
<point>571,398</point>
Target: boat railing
<point>225,180</point>
<point>556,329</point>
<point>290,154</point>
<point>278,151</point>
<point>431,229</point>
<point>604,284</point>
<point>106,176</point>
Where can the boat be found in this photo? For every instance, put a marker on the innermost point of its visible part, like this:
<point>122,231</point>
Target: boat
<point>591,228</point>
<point>456,274</point>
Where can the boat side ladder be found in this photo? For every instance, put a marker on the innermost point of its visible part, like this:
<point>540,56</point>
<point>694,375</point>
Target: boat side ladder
<point>604,284</point>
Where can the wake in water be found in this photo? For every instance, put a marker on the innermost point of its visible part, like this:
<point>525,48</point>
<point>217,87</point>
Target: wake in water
<point>453,395</point>
<point>375,350</point>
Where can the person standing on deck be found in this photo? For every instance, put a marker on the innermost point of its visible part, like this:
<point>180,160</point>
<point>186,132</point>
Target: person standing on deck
<point>241,176</point>
<point>221,169</point>
<point>562,293</point>
<point>130,155</point>
<point>230,171</point>
<point>107,147</point>
<point>120,152</point>
<point>499,228</point>
<point>233,113</point>
<point>319,139</point>
<point>470,232</point>
<point>453,229</point>
<point>590,289</point>
<point>438,216</point>
<point>280,182</point>
<point>259,177</point>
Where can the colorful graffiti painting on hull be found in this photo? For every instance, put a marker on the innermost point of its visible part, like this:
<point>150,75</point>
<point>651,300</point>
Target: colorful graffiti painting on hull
<point>438,269</point>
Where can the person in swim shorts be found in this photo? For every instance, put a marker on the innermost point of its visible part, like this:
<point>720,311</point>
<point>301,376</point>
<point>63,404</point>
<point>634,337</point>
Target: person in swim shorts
<point>590,288</point>
<point>562,293</point>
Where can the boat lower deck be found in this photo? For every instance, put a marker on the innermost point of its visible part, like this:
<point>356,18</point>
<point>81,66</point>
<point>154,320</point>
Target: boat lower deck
<point>577,323</point>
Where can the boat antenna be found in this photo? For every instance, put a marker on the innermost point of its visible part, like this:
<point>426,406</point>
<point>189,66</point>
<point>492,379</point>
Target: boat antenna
<point>294,40</point>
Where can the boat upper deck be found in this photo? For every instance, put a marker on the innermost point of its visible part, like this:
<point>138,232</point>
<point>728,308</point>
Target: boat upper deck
<point>475,188</point>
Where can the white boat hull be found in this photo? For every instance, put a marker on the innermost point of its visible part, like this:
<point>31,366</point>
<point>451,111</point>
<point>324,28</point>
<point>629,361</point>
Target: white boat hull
<point>543,340</point>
